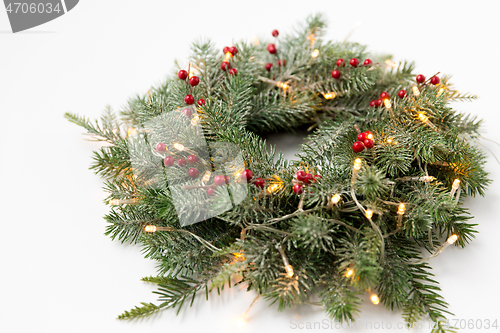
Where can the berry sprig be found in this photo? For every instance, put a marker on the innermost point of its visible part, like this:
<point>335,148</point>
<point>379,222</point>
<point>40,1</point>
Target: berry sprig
<point>303,179</point>
<point>420,79</point>
<point>354,62</point>
<point>229,52</point>
<point>271,48</point>
<point>365,140</point>
<point>378,102</point>
<point>192,82</point>
<point>434,80</point>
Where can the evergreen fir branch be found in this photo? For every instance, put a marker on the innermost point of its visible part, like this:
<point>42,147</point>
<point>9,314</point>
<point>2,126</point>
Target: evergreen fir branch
<point>175,291</point>
<point>443,326</point>
<point>312,233</point>
<point>341,302</point>
<point>108,130</point>
<point>147,309</point>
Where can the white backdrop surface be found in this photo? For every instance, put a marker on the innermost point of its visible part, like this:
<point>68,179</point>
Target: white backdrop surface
<point>59,273</point>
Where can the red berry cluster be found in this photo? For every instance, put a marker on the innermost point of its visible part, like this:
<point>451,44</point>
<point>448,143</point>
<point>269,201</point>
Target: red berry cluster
<point>303,179</point>
<point>421,79</point>
<point>247,176</point>
<point>226,64</point>
<point>169,161</point>
<point>365,139</point>
<point>378,102</point>
<point>192,82</point>
<point>354,62</point>
<point>271,48</point>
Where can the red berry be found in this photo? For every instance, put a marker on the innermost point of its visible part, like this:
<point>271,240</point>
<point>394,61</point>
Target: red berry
<point>336,74</point>
<point>259,182</point>
<point>367,62</point>
<point>192,159</point>
<point>225,65</point>
<point>233,50</point>
<point>354,62</point>
<point>402,93</point>
<point>201,102</point>
<point>194,80</point>
<point>316,177</point>
<point>271,48</point>
<point>281,62</point>
<point>308,178</point>
<point>211,191</point>
<point>189,99</point>
<point>168,161</point>
<point>233,71</point>
<point>378,103</point>
<point>368,135</point>
<point>161,147</point>
<point>301,175</point>
<point>247,175</point>
<point>275,33</point>
<point>420,78</point>
<point>358,146</point>
<point>219,180</point>
<point>181,162</point>
<point>225,49</point>
<point>384,95</point>
<point>182,74</point>
<point>227,179</point>
<point>372,103</point>
<point>269,66</point>
<point>340,62</point>
<point>187,112</point>
<point>193,172</point>
<point>361,137</point>
<point>368,143</point>
<point>435,80</point>
<point>298,189</point>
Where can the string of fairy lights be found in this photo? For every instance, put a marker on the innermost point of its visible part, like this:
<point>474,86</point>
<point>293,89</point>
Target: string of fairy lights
<point>276,184</point>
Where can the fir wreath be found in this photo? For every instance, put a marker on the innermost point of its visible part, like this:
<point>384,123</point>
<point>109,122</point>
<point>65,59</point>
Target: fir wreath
<point>351,215</point>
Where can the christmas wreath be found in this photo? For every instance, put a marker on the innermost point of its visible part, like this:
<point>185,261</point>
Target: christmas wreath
<point>380,178</point>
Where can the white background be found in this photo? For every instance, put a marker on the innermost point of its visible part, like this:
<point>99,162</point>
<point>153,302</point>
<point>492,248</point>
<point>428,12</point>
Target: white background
<point>60,274</point>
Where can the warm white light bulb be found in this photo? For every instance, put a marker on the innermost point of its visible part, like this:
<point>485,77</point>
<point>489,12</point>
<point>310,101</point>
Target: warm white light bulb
<point>315,53</point>
<point>240,322</point>
<point>401,209</point>
<point>206,176</point>
<point>423,118</point>
<point>330,95</point>
<point>426,179</point>
<point>179,146</point>
<point>374,298</point>
<point>289,270</point>
<point>368,213</point>
<point>150,228</point>
<point>416,92</point>
<point>357,164</point>
<point>195,120</point>
<point>387,103</point>
<point>452,239</point>
<point>456,184</point>
<point>349,273</point>
<point>335,199</point>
